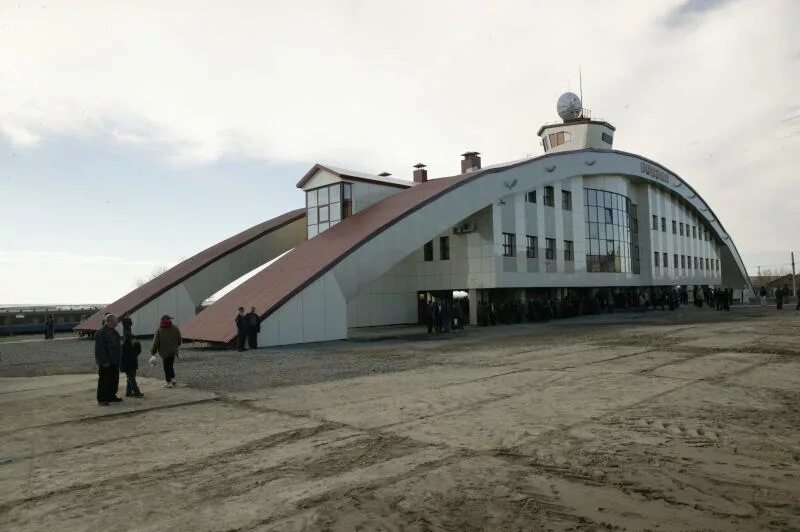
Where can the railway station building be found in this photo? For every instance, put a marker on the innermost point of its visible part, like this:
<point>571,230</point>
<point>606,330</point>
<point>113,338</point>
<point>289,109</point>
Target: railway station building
<point>370,249</point>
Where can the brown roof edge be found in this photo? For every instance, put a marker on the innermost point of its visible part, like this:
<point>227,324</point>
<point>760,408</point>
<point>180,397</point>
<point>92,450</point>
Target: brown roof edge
<point>134,300</point>
<point>318,166</point>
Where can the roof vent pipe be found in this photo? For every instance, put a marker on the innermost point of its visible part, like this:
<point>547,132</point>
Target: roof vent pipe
<point>420,174</point>
<point>471,162</point>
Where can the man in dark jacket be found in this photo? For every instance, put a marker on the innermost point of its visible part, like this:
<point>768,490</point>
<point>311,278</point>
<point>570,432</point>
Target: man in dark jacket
<point>241,329</point>
<point>253,327</point>
<point>107,353</point>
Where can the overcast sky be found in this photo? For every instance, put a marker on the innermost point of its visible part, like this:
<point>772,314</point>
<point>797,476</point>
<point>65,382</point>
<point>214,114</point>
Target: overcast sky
<point>134,134</point>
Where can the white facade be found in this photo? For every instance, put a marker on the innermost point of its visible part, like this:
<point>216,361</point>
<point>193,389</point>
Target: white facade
<point>379,282</point>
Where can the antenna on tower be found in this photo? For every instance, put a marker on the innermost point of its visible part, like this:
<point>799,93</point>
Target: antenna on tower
<point>580,82</point>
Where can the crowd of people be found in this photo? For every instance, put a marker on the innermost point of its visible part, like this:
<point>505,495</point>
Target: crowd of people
<point>445,315</point>
<point>115,354</point>
<point>781,294</point>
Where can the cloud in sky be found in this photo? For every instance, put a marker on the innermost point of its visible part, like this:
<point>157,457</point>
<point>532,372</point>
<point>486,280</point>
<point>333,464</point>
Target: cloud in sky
<point>708,88</point>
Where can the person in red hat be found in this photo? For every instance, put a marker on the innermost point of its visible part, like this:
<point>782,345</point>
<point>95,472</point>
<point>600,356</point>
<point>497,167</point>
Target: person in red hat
<point>166,343</point>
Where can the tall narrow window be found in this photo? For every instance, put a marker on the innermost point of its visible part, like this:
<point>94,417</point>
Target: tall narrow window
<point>509,244</point>
<point>428,251</point>
<point>550,250</point>
<point>675,261</point>
<point>695,263</point>
<point>694,231</point>
<point>665,260</point>
<point>655,222</point>
<point>444,248</point>
<point>681,228</point>
<point>708,265</point>
<point>530,197</point>
<point>656,255</point>
<point>566,200</point>
<point>549,196</point>
<point>569,250</point>
<point>663,224</point>
<point>532,246</point>
<point>683,262</point>
<point>674,227</point>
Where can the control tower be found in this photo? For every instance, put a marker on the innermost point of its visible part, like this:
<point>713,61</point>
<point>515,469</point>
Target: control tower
<point>578,130</point>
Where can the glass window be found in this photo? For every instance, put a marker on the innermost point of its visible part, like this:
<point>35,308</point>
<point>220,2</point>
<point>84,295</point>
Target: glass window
<point>347,208</point>
<point>324,213</point>
<point>336,211</point>
<point>694,231</point>
<point>617,225</point>
<point>313,231</point>
<point>311,198</point>
<point>550,250</point>
<point>663,224</point>
<point>347,190</point>
<point>566,200</point>
<point>549,196</point>
<point>428,251</point>
<point>655,222</point>
<point>665,260</point>
<point>509,244</point>
<point>608,139</point>
<point>683,262</point>
<point>335,193</point>
<point>680,226</point>
<point>708,266</point>
<point>531,247</point>
<point>695,263</point>
<point>312,216</point>
<point>655,258</point>
<point>444,248</point>
<point>323,196</point>
<point>569,251</point>
<point>674,227</point>
<point>675,261</point>
<point>530,197</point>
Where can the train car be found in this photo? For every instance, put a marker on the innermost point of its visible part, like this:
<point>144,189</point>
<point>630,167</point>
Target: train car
<point>30,320</point>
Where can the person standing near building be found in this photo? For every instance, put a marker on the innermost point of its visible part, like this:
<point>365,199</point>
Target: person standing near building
<point>763,294</point>
<point>779,298</point>
<point>49,327</point>
<point>107,354</point>
<point>127,324</point>
<point>253,328</point>
<point>166,343</point>
<point>129,364</point>
<point>241,329</point>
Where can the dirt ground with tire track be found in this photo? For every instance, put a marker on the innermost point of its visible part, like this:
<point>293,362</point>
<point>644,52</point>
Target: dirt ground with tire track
<point>683,420</point>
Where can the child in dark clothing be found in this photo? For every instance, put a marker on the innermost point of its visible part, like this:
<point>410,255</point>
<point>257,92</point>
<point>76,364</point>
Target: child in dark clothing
<point>131,349</point>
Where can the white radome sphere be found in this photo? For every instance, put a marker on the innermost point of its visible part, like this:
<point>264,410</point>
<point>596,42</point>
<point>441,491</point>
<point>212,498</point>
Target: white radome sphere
<point>569,106</point>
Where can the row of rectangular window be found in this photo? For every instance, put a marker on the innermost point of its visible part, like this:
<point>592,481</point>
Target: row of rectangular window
<point>678,228</point>
<point>550,198</point>
<point>710,264</point>
<point>532,246</point>
<point>444,249</point>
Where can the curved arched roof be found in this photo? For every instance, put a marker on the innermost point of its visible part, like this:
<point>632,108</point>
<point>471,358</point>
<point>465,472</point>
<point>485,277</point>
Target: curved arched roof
<point>277,284</point>
<point>151,290</point>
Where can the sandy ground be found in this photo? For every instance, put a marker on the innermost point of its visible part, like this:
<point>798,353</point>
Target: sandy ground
<point>666,421</point>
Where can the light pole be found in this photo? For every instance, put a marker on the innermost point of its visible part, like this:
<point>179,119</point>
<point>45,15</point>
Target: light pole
<point>794,278</point>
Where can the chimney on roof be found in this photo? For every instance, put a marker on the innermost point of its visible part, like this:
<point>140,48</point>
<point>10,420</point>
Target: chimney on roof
<point>384,174</point>
<point>471,162</point>
<point>420,174</point>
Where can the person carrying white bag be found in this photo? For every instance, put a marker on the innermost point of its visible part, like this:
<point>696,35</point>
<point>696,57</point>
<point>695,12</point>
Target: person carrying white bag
<point>167,342</point>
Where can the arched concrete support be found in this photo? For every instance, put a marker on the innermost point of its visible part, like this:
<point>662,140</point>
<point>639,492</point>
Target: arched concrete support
<point>299,293</point>
<point>180,290</point>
